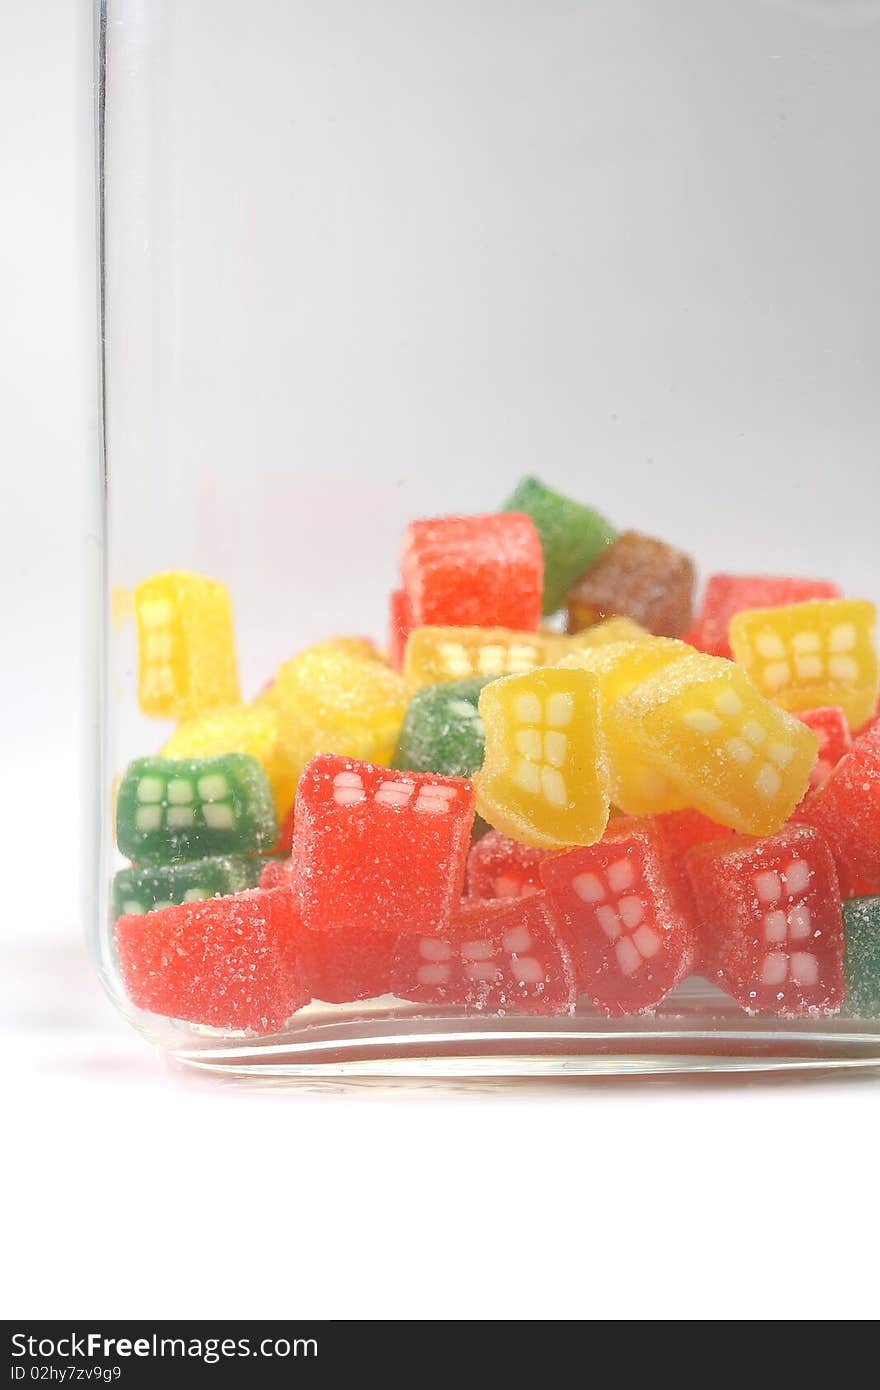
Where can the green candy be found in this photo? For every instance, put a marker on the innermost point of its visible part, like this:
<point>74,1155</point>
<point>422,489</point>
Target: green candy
<point>861,924</point>
<point>443,731</point>
<point>572,536</point>
<point>170,810</point>
<point>139,890</point>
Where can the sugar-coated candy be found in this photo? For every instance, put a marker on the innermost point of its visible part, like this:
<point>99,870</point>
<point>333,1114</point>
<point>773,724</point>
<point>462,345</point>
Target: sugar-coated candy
<point>474,570</point>
<point>499,867</point>
<point>225,962</point>
<point>640,578</point>
<point>831,728</point>
<point>861,928</point>
<point>333,701</point>
<point>186,645</point>
<point>771,922</point>
<point>437,654</point>
<point>494,957</point>
<point>602,634</point>
<point>400,625</point>
<point>544,780</point>
<point>252,729</point>
<point>148,888</point>
<point>572,536</point>
<point>173,809</point>
<point>339,966</point>
<point>443,731</point>
<point>736,757</point>
<point>811,654</point>
<point>728,594</point>
<point>378,848</point>
<point>630,927</point>
<point>637,787</point>
<point>847,810</point>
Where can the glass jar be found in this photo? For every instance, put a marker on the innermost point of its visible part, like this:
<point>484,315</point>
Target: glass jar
<point>361,264</point>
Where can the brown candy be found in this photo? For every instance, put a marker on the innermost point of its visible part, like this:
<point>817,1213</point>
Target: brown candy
<point>640,578</point>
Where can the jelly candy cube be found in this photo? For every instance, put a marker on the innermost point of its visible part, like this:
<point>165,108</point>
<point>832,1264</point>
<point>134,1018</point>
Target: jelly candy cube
<point>226,962</point>
<point>770,916</point>
<point>499,867</point>
<point>735,756</point>
<point>186,645</point>
<point>631,929</point>
<point>343,966</point>
<point>640,578</point>
<point>443,731</point>
<point>168,810</point>
<point>544,780</point>
<point>861,926</point>
<point>251,729</point>
<point>847,809</point>
<point>378,849</point>
<point>812,654</point>
<point>728,594</point>
<point>474,570</point>
<point>620,667</point>
<point>830,726</point>
<point>572,536</point>
<point>400,625</point>
<point>150,887</point>
<point>436,654</point>
<point>493,958</point>
<point>337,702</point>
<point>602,634</point>
<point>276,873</point>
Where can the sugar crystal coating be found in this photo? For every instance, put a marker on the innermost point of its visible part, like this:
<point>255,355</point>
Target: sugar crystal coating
<point>812,654</point>
<point>466,570</point>
<point>861,924</point>
<point>847,809</point>
<point>169,810</point>
<point>572,536</point>
<point>443,731</point>
<point>544,780</point>
<point>226,962</point>
<point>631,929</point>
<point>137,890</point>
<point>637,577</point>
<point>771,921</point>
<point>499,867</point>
<point>728,594</point>
<point>378,849</point>
<point>186,645</point>
<point>494,957</point>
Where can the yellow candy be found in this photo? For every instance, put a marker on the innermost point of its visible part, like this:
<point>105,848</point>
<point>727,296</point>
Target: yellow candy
<point>186,645</point>
<point>620,667</point>
<point>253,729</point>
<point>544,780</point>
<point>611,630</point>
<point>435,654</point>
<point>331,701</point>
<point>351,646</point>
<point>812,654</point>
<point>736,757</point>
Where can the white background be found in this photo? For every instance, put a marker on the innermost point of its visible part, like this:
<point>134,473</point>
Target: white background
<point>133,1192</point>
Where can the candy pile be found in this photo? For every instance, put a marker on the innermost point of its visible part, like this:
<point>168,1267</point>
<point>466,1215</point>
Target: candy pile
<point>504,817</point>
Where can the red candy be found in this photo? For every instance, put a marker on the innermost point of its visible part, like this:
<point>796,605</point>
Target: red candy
<point>847,811</point>
<point>728,594</point>
<point>474,571</point>
<point>400,625</point>
<point>835,740</point>
<point>495,957</point>
<point>771,920</point>
<point>225,962</point>
<point>499,867</point>
<point>630,926</point>
<point>379,851</point>
<point>338,966</point>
